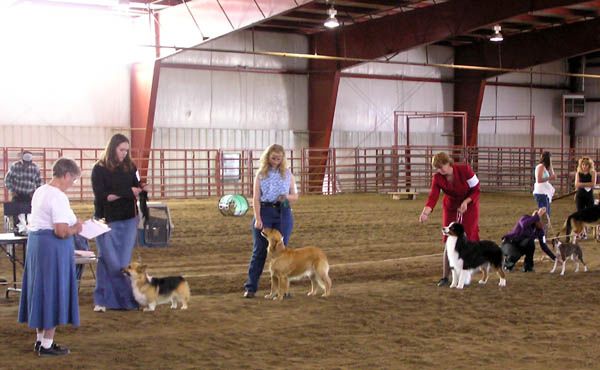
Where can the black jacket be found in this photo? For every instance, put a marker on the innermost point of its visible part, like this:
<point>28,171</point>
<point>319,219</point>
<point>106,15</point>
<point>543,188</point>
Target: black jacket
<point>118,182</point>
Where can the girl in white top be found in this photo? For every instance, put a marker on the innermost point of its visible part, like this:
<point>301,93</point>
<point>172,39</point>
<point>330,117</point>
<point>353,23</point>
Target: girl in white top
<point>543,191</point>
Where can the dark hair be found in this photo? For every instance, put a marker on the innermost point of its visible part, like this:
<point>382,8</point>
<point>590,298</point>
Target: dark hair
<point>545,159</point>
<point>109,156</point>
<point>63,166</point>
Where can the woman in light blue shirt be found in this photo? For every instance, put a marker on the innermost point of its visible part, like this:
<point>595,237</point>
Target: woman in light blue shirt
<point>274,190</point>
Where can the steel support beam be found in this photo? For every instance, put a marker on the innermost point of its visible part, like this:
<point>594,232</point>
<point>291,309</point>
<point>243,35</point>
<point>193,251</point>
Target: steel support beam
<point>144,87</point>
<point>516,52</point>
<point>323,83</point>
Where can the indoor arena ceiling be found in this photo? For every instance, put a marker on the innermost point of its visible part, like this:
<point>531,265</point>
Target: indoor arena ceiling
<point>307,17</point>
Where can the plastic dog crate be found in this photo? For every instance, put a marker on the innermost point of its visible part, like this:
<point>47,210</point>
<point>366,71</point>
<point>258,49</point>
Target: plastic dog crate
<point>156,231</point>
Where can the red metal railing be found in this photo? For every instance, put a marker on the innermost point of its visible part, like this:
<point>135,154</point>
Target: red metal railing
<point>195,173</point>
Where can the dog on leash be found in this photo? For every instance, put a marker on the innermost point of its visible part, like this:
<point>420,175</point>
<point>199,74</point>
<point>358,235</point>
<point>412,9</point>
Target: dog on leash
<point>465,256</point>
<point>150,291</point>
<point>293,264</point>
<point>565,250</point>
<point>577,221</point>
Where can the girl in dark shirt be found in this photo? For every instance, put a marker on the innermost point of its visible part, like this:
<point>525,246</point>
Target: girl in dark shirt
<point>116,185</point>
<point>585,180</point>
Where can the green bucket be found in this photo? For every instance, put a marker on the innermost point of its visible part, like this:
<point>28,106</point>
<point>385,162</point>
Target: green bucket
<point>233,205</point>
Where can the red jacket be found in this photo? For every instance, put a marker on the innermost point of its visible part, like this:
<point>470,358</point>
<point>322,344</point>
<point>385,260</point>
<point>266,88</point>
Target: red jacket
<point>464,184</point>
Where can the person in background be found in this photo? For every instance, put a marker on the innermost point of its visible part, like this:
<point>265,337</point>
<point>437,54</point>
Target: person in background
<point>21,180</point>
<point>521,241</point>
<point>116,184</point>
<point>274,190</point>
<point>49,292</point>
<point>461,200</point>
<point>585,180</point>
<point>543,191</point>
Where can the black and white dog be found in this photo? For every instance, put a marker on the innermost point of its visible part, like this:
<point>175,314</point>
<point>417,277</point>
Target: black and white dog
<point>465,256</point>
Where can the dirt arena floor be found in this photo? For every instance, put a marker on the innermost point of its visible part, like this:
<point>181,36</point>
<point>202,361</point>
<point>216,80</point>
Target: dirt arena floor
<point>385,311</point>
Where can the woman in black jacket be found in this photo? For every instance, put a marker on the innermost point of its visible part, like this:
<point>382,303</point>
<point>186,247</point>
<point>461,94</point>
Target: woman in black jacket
<point>116,185</point>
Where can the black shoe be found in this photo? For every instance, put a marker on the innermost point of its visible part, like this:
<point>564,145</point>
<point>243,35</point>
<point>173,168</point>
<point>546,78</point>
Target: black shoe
<point>287,296</point>
<point>443,282</point>
<point>528,269</point>
<point>248,294</point>
<point>37,346</point>
<point>54,350</point>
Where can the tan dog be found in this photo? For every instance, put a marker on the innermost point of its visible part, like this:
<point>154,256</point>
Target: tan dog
<point>293,264</point>
<point>149,291</point>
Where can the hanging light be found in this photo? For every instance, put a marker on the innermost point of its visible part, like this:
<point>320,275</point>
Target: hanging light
<point>331,21</point>
<point>497,36</point>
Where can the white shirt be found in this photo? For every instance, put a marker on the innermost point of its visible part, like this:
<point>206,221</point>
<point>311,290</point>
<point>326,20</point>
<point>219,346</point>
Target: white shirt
<point>50,206</point>
<point>543,187</point>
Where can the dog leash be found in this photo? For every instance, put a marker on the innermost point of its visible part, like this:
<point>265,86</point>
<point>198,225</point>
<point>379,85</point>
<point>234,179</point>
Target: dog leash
<point>459,217</point>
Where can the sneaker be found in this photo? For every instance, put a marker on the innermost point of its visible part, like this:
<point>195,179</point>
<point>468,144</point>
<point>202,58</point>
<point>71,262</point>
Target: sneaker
<point>249,294</point>
<point>37,346</point>
<point>98,308</point>
<point>443,282</point>
<point>54,350</point>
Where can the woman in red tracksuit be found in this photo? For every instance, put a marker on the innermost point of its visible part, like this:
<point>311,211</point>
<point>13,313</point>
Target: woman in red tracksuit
<point>461,199</point>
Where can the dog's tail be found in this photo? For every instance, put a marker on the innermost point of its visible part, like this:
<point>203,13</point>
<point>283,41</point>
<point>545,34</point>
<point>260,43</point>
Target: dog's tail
<point>567,228</point>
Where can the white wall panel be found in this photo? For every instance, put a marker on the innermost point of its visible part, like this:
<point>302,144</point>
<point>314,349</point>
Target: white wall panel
<point>369,105</point>
<point>217,99</point>
<point>60,97</point>
<point>425,54</point>
<point>207,138</point>
<point>248,41</point>
<point>544,104</point>
<point>589,125</point>
<point>57,136</point>
<point>537,78</point>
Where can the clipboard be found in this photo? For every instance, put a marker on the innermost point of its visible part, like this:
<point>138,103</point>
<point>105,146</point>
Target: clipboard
<point>92,228</point>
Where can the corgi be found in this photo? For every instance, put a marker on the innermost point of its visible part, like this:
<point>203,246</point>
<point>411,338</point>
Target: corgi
<point>464,255</point>
<point>291,264</point>
<point>150,292</point>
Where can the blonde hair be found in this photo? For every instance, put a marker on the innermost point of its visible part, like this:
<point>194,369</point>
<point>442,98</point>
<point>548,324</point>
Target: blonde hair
<point>585,160</point>
<point>264,160</point>
<point>441,159</point>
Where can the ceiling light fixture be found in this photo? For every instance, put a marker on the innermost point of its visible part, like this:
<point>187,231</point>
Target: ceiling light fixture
<point>331,21</point>
<point>497,36</point>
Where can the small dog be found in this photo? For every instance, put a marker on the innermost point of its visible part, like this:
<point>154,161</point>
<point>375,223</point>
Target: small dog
<point>565,250</point>
<point>293,264</point>
<point>465,255</point>
<point>577,221</point>
<point>149,291</point>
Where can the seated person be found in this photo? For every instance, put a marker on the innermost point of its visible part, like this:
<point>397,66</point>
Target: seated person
<point>521,241</point>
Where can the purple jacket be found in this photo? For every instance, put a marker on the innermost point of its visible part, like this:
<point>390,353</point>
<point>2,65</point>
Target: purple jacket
<point>525,228</point>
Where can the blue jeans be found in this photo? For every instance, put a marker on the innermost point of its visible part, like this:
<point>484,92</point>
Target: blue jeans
<point>275,218</point>
<point>543,201</point>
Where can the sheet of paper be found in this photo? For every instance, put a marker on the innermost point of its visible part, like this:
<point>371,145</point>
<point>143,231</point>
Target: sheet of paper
<point>87,254</point>
<point>92,229</point>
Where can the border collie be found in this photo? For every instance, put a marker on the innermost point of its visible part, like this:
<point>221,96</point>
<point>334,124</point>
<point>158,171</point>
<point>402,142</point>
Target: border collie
<point>465,255</point>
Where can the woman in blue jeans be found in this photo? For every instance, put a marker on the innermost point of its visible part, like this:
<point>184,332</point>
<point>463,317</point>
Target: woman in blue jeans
<point>543,191</point>
<point>274,190</point>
